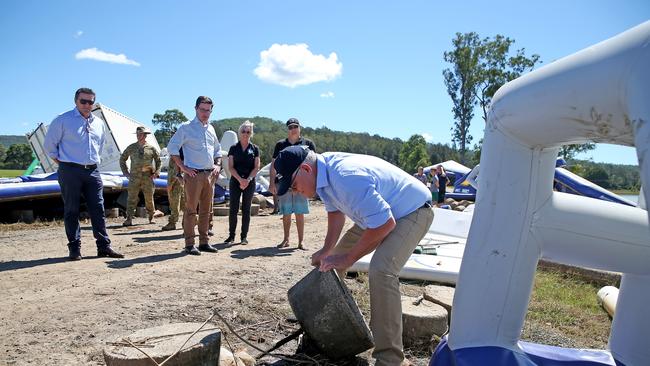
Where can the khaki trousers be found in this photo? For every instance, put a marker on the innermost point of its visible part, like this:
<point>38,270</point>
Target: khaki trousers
<point>385,298</point>
<point>199,192</point>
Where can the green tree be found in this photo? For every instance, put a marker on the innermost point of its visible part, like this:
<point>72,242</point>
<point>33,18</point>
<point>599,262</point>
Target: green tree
<point>18,156</point>
<point>480,68</point>
<point>168,123</point>
<point>461,81</point>
<point>413,154</point>
<point>497,67</point>
<point>597,175</point>
<point>3,153</point>
<point>570,151</point>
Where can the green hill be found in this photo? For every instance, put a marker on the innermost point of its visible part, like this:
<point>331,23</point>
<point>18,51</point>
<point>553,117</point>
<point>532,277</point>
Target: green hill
<point>8,140</point>
<point>268,132</point>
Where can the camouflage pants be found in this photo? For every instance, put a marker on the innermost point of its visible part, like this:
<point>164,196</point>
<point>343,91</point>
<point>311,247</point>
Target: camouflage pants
<point>176,197</point>
<point>139,183</point>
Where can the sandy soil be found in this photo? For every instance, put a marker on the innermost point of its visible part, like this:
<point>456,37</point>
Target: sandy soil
<point>62,313</point>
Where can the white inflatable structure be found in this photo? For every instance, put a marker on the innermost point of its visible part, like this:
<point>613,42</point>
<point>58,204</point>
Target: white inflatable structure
<point>599,94</point>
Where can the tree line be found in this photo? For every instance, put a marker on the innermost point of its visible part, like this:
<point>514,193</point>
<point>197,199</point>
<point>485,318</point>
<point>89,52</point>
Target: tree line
<point>407,155</point>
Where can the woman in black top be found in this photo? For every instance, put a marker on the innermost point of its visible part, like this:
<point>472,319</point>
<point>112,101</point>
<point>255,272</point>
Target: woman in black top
<point>244,163</point>
<point>442,183</point>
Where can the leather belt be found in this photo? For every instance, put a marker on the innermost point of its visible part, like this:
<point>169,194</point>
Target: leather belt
<point>427,204</point>
<point>202,170</point>
<point>82,166</point>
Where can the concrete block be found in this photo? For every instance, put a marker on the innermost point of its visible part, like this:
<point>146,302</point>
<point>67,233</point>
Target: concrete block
<point>441,295</point>
<point>112,212</point>
<point>140,212</point>
<point>329,315</point>
<point>422,320</point>
<point>162,341</point>
<point>221,210</point>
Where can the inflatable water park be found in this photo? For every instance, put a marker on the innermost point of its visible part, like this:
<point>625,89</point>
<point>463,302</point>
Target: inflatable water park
<point>598,94</point>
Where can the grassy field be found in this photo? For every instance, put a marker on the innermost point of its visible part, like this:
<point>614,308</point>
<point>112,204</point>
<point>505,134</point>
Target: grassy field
<point>10,173</point>
<point>625,191</point>
<point>565,306</point>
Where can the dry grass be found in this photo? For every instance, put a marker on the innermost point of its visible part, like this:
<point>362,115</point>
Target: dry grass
<point>38,224</point>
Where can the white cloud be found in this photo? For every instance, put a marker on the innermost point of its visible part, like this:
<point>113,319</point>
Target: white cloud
<point>295,65</point>
<point>78,34</point>
<point>99,55</point>
<point>329,94</point>
<point>427,137</point>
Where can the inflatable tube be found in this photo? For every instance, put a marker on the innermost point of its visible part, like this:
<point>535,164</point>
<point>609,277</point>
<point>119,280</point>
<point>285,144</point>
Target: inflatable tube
<point>599,94</point>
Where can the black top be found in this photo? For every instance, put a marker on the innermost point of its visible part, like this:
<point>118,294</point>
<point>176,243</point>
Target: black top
<point>282,144</point>
<point>442,183</point>
<point>244,160</point>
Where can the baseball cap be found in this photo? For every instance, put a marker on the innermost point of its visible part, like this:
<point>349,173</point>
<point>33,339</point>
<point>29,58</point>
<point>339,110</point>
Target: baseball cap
<point>286,163</point>
<point>142,129</point>
<point>293,121</point>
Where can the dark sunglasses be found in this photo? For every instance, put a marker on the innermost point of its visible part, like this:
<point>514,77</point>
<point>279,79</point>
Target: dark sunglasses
<point>246,131</point>
<point>86,101</point>
<point>293,126</point>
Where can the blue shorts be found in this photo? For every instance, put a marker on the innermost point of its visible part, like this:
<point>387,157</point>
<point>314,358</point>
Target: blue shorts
<point>293,203</point>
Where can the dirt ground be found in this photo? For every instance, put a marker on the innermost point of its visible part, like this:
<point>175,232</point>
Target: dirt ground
<point>57,312</point>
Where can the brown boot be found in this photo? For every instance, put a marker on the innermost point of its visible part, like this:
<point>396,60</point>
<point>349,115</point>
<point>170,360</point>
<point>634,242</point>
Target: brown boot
<point>170,226</point>
<point>127,222</point>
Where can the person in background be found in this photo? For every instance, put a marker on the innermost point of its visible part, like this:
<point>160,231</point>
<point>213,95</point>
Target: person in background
<point>243,163</point>
<point>141,174</point>
<point>421,176</point>
<point>391,212</point>
<point>290,202</point>
<point>74,140</point>
<point>200,168</point>
<point>442,183</point>
<point>434,185</point>
<point>175,194</point>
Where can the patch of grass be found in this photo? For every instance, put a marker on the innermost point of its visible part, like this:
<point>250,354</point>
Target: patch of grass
<point>567,306</point>
<point>625,191</point>
<point>8,173</point>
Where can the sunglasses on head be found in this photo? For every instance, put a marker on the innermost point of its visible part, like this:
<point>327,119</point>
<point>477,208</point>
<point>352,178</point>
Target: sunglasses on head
<point>86,101</point>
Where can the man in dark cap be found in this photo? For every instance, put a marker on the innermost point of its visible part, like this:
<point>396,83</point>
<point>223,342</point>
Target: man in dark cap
<point>290,203</point>
<point>391,211</point>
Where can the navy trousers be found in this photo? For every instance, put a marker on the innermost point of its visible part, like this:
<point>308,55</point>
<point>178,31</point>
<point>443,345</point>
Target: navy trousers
<point>74,182</point>
<point>246,200</point>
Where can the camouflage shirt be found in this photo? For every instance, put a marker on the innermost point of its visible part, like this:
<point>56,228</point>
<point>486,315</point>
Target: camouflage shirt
<point>142,157</point>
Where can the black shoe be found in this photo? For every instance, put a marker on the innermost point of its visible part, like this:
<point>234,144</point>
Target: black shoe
<point>207,248</point>
<point>244,241</point>
<point>230,240</point>
<point>192,250</point>
<point>74,252</point>
<point>109,252</point>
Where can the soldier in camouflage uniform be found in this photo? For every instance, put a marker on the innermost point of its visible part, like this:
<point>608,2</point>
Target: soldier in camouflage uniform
<point>175,193</point>
<point>141,174</point>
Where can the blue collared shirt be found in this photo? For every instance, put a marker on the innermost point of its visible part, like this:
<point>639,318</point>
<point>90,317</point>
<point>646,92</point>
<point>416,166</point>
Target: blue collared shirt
<point>200,144</point>
<point>367,189</point>
<point>74,139</point>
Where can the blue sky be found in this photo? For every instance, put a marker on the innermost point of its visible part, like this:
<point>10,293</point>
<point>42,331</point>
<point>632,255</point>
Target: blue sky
<point>362,66</point>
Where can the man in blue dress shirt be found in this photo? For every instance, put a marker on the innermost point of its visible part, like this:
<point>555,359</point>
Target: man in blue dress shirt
<point>74,140</point>
<point>201,166</point>
<point>391,211</point>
